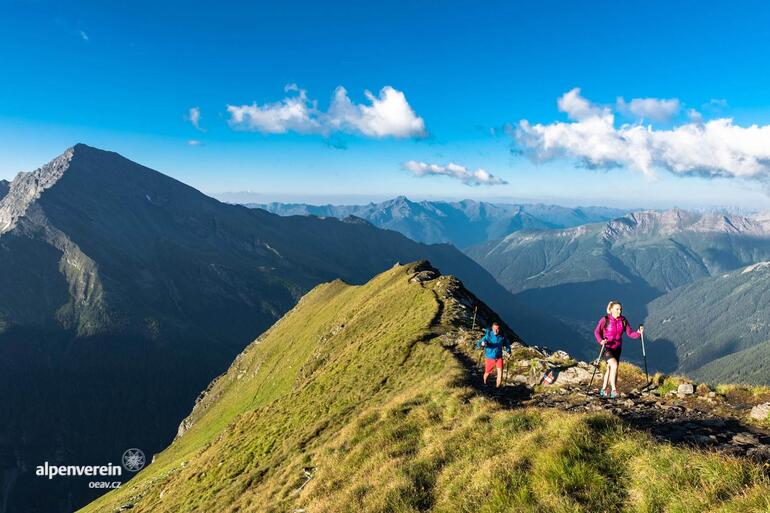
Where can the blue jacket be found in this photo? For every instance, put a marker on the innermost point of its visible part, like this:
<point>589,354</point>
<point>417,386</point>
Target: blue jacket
<point>494,344</point>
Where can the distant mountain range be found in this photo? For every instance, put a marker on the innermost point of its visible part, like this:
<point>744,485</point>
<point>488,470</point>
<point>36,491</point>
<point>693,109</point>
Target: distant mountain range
<point>462,223</point>
<point>566,265</point>
<point>123,292</point>
<point>636,258</point>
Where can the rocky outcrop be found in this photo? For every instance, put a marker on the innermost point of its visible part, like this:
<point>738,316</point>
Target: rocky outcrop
<point>688,414</point>
<point>27,187</point>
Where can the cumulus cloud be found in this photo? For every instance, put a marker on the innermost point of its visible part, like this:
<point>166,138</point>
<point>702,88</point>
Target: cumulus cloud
<point>651,109</point>
<point>386,115</point>
<point>462,173</point>
<point>713,148</point>
<point>194,117</point>
<point>294,114</point>
<point>578,108</point>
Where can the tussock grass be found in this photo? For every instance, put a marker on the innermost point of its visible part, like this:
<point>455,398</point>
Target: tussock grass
<point>750,394</point>
<point>376,414</point>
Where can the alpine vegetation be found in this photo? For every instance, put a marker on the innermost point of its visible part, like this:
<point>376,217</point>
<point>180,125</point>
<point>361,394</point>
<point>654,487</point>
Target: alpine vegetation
<point>365,398</point>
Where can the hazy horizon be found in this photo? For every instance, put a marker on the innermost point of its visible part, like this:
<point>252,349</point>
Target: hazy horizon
<point>244,197</point>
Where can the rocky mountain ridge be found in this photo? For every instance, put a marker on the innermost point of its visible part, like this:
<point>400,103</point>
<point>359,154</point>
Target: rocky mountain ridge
<point>27,187</point>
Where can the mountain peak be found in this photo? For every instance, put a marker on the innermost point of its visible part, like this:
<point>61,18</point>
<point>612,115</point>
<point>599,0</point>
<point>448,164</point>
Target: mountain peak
<point>398,201</point>
<point>82,149</point>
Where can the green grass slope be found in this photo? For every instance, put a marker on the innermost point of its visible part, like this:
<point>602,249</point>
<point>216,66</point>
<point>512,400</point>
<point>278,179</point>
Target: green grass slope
<point>357,401</point>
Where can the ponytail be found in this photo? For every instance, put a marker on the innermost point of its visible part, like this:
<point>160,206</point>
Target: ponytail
<point>611,304</point>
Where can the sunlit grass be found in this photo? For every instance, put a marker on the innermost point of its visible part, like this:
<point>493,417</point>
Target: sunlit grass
<point>348,404</point>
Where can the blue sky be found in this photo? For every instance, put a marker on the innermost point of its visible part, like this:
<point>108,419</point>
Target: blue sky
<point>123,76</point>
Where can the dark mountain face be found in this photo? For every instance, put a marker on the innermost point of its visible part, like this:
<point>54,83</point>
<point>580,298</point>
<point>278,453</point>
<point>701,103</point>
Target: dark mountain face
<point>461,223</point>
<point>4,185</point>
<point>718,326</point>
<point>634,259</point>
<point>123,292</point>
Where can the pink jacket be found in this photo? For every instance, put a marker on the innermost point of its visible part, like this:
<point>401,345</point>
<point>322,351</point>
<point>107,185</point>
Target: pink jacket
<point>614,331</point>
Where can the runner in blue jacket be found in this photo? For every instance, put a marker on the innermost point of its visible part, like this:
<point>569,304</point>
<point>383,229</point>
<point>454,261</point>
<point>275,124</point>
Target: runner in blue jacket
<point>494,342</point>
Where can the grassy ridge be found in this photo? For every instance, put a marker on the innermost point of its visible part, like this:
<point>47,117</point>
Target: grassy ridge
<point>352,403</point>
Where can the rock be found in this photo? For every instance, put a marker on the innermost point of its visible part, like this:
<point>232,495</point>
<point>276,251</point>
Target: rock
<point>573,376</point>
<point>745,439</point>
<point>703,389</point>
<point>424,276</point>
<point>685,389</point>
<point>761,453</point>
<point>712,395</point>
<point>760,411</point>
<point>559,355</point>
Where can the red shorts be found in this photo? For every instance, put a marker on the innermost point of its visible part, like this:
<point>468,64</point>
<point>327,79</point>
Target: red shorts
<point>491,363</point>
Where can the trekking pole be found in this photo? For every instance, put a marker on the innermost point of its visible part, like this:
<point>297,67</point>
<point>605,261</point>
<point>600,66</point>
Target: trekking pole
<point>473,327</point>
<point>596,366</point>
<point>644,356</point>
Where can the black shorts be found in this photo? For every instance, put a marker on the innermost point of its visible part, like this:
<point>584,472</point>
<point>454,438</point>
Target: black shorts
<point>612,353</point>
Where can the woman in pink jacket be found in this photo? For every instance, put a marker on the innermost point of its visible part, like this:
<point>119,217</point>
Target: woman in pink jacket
<point>609,333</point>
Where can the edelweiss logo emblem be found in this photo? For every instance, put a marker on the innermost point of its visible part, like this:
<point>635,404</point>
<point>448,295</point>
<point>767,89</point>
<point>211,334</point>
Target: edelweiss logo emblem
<point>133,460</point>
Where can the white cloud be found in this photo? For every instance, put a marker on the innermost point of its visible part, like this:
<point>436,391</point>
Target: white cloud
<point>576,107</point>
<point>83,35</point>
<point>195,142</point>
<point>294,114</point>
<point>714,148</point>
<point>194,117</point>
<point>386,115</point>
<point>462,173</point>
<point>651,109</point>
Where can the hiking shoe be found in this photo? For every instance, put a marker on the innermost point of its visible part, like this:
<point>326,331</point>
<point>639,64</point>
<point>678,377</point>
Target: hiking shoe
<point>603,392</point>
<point>613,394</point>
